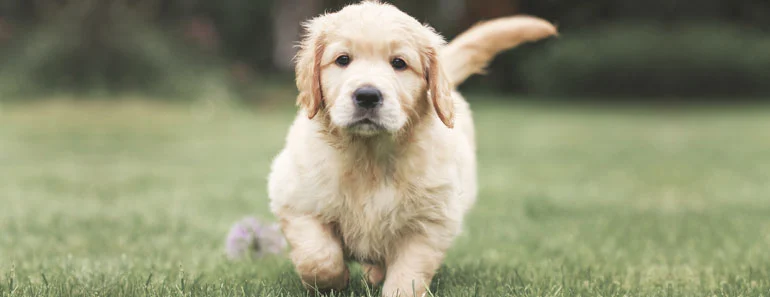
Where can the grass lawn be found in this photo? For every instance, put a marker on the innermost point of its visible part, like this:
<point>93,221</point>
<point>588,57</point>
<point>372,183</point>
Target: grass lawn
<point>135,199</point>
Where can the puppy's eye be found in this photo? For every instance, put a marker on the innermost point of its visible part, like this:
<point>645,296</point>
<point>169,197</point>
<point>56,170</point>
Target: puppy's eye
<point>398,63</point>
<point>342,61</point>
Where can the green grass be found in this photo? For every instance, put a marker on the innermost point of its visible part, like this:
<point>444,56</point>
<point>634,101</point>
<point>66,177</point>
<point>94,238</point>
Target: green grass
<point>135,199</point>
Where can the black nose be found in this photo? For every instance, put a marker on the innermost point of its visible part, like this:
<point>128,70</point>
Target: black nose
<point>367,97</point>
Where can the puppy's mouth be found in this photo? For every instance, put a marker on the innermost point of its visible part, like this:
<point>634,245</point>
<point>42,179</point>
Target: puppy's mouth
<point>366,126</point>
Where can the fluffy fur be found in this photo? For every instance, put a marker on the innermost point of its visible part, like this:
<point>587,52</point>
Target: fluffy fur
<point>390,192</point>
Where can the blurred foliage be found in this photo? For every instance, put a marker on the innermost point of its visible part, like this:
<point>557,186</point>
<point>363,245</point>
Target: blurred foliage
<point>103,47</point>
<point>54,60</point>
<point>190,48</point>
<point>695,59</point>
<point>583,25</point>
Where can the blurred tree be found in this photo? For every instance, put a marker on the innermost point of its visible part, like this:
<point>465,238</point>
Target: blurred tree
<point>449,14</point>
<point>287,20</point>
<point>488,9</point>
<point>78,42</point>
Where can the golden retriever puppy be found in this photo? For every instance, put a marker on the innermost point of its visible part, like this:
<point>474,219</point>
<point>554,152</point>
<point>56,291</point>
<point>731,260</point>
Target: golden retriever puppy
<point>379,166</point>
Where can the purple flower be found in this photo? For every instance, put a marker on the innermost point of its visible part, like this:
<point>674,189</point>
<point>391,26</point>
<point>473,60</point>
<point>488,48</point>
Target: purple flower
<point>254,239</point>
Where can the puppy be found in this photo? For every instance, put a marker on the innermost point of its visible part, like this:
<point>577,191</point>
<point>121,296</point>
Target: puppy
<point>379,165</point>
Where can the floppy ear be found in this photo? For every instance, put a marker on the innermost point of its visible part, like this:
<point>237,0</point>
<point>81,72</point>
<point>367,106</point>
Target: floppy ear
<point>308,71</point>
<point>440,89</point>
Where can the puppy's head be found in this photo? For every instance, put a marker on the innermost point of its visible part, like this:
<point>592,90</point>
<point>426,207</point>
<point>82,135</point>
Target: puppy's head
<point>372,69</point>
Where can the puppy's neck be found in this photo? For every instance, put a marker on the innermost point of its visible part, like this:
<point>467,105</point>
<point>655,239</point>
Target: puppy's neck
<point>377,150</point>
<point>376,158</point>
<point>372,158</point>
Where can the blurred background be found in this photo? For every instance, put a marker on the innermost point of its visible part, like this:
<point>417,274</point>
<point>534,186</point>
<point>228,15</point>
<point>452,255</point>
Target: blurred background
<point>623,50</point>
<point>614,160</point>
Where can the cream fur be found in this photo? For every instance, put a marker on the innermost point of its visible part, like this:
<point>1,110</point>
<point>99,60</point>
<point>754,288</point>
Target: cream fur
<point>395,198</point>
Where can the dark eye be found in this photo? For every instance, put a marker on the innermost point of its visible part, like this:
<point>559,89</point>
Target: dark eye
<point>343,60</point>
<point>398,64</point>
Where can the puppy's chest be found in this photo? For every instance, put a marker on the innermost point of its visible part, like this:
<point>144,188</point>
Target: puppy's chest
<point>373,210</point>
<point>369,222</point>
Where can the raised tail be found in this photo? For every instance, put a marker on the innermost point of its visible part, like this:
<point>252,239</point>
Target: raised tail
<point>472,50</point>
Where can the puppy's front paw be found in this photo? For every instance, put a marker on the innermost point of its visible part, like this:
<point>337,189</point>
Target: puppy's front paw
<point>323,274</point>
<point>375,274</point>
<point>405,289</point>
<point>316,253</point>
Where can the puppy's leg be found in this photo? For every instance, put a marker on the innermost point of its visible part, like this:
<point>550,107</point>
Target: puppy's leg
<point>374,273</point>
<point>411,270</point>
<point>316,252</point>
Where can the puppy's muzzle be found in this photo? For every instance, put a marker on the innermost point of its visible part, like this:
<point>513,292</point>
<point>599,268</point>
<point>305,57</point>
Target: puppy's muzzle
<point>367,97</point>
